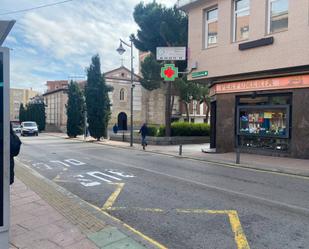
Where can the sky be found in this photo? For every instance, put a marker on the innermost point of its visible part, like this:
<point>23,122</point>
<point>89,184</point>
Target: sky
<point>57,42</point>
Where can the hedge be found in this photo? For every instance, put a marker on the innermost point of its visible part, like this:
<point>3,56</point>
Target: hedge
<point>184,129</point>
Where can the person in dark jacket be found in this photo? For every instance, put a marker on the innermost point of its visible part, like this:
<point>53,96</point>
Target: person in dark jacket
<point>144,132</point>
<point>15,144</point>
<point>115,129</point>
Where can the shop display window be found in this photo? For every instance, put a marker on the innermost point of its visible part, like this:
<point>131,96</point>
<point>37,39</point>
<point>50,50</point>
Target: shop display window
<point>264,121</point>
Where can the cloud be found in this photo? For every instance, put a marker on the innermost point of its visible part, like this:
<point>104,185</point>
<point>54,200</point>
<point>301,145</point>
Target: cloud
<point>59,41</point>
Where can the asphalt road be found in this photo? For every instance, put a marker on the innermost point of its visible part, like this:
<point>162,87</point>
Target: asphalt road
<point>179,203</point>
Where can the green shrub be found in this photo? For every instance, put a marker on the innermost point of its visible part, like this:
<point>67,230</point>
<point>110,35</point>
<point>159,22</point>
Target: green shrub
<point>190,129</point>
<point>181,129</point>
<point>152,131</point>
<point>161,131</point>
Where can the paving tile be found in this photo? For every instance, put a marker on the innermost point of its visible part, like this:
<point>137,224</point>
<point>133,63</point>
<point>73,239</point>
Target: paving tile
<point>84,244</point>
<point>107,236</point>
<point>127,243</point>
<point>43,244</point>
<point>68,237</point>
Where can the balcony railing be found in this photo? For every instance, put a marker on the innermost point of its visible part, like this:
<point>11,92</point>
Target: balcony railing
<point>183,3</point>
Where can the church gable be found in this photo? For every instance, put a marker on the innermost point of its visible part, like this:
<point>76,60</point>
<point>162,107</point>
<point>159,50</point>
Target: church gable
<point>121,73</point>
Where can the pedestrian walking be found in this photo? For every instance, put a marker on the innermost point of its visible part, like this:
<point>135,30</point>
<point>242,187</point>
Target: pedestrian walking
<point>115,129</point>
<point>15,144</point>
<point>144,132</point>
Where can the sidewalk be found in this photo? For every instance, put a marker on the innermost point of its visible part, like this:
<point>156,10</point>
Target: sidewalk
<point>267,163</point>
<point>46,216</point>
<point>36,225</point>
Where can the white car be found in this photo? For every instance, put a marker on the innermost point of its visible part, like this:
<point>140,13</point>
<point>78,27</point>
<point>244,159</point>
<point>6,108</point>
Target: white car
<point>16,128</point>
<point>29,128</point>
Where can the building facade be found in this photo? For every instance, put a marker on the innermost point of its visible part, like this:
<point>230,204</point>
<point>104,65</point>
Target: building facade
<point>18,97</point>
<point>255,56</point>
<point>120,97</point>
<point>55,100</point>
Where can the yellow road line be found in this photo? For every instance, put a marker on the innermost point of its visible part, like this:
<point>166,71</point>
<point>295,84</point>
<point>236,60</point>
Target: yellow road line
<point>154,210</point>
<point>111,200</point>
<point>240,237</point>
<point>145,237</point>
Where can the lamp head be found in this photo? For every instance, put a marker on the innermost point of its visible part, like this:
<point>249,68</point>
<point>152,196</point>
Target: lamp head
<point>120,50</point>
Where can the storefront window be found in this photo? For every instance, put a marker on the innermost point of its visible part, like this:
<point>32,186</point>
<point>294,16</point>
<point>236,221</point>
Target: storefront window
<point>264,122</point>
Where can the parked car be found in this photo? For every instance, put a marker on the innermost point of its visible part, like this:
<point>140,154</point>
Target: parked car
<point>29,128</point>
<point>16,126</point>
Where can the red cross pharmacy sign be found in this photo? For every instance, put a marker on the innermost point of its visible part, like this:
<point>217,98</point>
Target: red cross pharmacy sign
<point>169,72</point>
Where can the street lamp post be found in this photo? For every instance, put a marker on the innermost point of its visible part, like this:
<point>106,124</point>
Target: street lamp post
<point>121,50</point>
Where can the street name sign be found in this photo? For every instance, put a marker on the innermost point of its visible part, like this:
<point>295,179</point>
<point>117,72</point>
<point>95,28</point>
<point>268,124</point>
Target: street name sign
<point>171,53</point>
<point>169,72</point>
<point>199,74</point>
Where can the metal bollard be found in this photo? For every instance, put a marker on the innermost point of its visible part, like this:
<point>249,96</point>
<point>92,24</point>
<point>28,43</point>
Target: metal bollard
<point>237,155</point>
<point>180,150</point>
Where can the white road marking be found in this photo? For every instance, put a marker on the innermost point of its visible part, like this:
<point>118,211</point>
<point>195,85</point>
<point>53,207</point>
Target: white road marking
<point>97,174</point>
<point>38,165</point>
<point>59,162</point>
<point>74,162</point>
<point>90,184</point>
<point>122,174</point>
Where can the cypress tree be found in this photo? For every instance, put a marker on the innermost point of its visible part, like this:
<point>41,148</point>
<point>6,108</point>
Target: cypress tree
<point>75,110</point>
<point>22,113</point>
<point>97,100</point>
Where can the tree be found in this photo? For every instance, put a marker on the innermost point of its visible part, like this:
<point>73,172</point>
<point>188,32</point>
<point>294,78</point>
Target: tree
<point>75,110</point>
<point>34,111</point>
<point>160,27</point>
<point>188,91</point>
<point>205,98</point>
<point>22,112</point>
<point>150,70</point>
<point>97,100</point>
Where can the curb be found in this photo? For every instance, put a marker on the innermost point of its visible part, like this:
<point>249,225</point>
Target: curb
<point>219,163</point>
<point>100,227</point>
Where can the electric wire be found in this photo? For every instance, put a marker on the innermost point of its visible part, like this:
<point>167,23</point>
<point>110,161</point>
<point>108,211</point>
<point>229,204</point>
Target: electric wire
<point>35,8</point>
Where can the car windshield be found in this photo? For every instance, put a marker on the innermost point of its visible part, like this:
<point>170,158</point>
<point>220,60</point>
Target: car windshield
<point>16,126</point>
<point>29,124</point>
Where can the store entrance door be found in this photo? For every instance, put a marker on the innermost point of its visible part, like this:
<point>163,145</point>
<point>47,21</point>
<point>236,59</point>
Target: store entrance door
<point>213,124</point>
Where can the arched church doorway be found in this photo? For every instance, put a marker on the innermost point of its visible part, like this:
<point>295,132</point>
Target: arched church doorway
<point>122,121</point>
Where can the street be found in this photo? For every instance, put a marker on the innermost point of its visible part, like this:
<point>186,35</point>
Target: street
<point>178,203</point>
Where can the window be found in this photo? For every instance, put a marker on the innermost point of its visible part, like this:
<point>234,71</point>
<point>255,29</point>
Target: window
<point>122,94</point>
<point>241,20</point>
<point>211,27</point>
<point>278,15</point>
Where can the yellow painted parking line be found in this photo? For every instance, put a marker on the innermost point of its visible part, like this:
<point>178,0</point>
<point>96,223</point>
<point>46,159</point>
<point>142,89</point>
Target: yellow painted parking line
<point>154,210</point>
<point>239,235</point>
<point>111,200</point>
<point>145,237</point>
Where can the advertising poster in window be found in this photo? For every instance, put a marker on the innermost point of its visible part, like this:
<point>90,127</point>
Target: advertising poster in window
<point>1,139</point>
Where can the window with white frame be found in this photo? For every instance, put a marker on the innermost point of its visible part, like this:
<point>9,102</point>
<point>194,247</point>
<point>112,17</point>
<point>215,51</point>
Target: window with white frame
<point>122,94</point>
<point>211,27</point>
<point>278,15</point>
<point>241,20</point>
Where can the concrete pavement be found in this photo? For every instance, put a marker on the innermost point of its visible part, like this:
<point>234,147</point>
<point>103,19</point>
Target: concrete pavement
<point>36,225</point>
<point>44,216</point>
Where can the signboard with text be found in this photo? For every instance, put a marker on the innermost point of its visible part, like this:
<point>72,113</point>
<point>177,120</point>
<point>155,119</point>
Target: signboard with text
<point>171,53</point>
<point>289,82</point>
